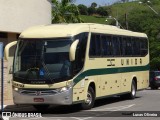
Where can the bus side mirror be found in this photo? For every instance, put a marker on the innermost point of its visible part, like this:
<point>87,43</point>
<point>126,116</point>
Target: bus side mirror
<point>72,52</point>
<point>6,50</point>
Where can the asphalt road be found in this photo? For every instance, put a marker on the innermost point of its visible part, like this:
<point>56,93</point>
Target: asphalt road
<point>146,105</point>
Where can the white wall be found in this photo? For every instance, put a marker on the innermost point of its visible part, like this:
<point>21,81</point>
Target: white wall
<point>17,15</point>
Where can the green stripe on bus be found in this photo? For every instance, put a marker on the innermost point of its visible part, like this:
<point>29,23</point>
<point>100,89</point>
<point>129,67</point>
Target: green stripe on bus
<point>109,71</point>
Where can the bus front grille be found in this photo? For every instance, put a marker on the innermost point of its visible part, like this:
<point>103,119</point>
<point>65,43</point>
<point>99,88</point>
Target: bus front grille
<point>38,92</point>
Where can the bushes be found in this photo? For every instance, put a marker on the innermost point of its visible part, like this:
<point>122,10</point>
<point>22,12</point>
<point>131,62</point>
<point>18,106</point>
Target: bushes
<point>84,10</point>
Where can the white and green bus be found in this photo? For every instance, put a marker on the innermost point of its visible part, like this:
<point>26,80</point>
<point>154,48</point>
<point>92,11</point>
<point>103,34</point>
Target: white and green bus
<point>68,64</point>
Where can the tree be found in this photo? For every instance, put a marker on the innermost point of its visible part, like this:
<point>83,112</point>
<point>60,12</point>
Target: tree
<point>94,5</point>
<point>83,9</point>
<point>102,11</point>
<point>91,10</point>
<point>123,1</point>
<point>64,11</point>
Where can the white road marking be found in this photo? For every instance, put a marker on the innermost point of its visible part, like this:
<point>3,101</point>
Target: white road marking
<point>35,118</point>
<point>25,119</point>
<point>52,118</point>
<point>109,109</point>
<point>114,108</point>
<point>81,118</point>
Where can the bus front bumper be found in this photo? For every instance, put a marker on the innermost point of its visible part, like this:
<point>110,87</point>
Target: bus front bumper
<point>30,97</point>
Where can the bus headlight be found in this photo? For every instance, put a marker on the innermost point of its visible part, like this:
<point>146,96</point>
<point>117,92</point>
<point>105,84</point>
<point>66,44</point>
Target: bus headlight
<point>15,89</point>
<point>64,89</point>
<point>68,86</point>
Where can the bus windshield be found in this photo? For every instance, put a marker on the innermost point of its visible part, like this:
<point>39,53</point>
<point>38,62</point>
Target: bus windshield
<point>42,61</point>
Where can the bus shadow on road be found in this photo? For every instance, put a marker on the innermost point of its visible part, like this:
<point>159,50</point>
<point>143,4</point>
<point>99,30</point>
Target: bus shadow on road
<point>63,110</point>
<point>149,88</point>
<point>77,109</point>
<point>111,100</point>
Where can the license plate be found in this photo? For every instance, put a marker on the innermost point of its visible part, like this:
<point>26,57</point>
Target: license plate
<point>38,99</point>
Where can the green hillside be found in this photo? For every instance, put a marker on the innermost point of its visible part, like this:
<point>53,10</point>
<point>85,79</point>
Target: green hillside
<point>118,11</point>
<point>93,19</point>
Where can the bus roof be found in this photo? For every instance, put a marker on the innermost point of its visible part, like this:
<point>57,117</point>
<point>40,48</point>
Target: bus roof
<point>69,30</point>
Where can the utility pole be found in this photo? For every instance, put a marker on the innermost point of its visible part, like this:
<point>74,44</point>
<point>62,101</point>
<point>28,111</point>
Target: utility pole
<point>147,3</point>
<point>126,20</point>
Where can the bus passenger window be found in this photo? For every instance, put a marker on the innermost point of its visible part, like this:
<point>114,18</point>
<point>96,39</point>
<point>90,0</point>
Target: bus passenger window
<point>128,46</point>
<point>98,48</point>
<point>123,43</point>
<point>120,46</point>
<point>103,38</point>
<point>106,45</point>
<point>95,49</point>
<point>116,46</point>
<point>136,46</point>
<point>144,47</point>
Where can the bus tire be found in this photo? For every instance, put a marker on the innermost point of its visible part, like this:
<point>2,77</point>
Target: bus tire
<point>89,103</point>
<point>132,94</point>
<point>41,107</point>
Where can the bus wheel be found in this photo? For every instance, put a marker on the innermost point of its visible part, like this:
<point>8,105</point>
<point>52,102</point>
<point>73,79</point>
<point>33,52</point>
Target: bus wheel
<point>89,103</point>
<point>132,94</point>
<point>41,107</point>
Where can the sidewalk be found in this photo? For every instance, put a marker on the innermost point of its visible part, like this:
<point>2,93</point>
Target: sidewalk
<point>6,103</point>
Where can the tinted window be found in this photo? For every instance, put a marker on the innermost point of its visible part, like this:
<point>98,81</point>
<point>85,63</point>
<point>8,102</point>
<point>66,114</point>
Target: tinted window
<point>113,45</point>
<point>95,49</point>
<point>157,73</point>
<point>144,47</point>
<point>128,49</point>
<point>123,45</point>
<point>136,46</point>
<point>80,51</point>
<point>107,45</point>
<point>116,46</point>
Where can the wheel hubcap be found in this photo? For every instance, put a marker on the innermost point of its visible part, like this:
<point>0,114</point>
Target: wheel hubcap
<point>133,90</point>
<point>89,98</point>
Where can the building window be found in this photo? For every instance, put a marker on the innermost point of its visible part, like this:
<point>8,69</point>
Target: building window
<point>3,35</point>
<point>17,36</point>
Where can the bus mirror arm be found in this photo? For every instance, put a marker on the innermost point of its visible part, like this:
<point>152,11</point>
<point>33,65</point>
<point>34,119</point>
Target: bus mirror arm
<point>72,52</point>
<point>7,47</point>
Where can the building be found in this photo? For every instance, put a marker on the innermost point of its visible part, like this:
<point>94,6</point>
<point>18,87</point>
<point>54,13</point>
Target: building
<point>15,16</point>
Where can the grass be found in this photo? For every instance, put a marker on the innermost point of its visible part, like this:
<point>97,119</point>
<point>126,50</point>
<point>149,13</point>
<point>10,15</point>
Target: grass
<point>93,19</point>
<point>118,11</point>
